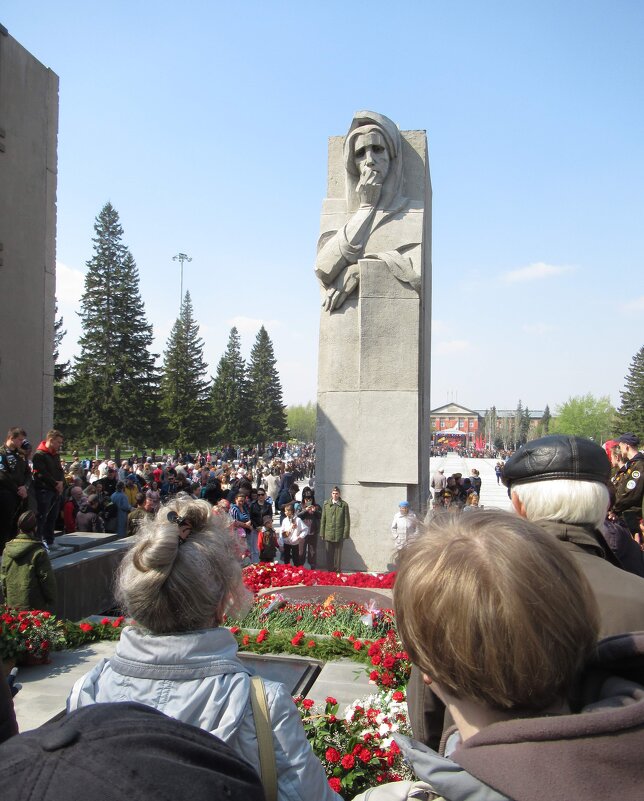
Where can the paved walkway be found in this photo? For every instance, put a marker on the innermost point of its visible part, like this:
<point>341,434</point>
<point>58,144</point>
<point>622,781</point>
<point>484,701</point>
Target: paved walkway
<point>493,495</point>
<point>45,687</point>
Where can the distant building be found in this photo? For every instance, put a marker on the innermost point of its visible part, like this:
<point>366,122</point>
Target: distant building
<point>453,425</point>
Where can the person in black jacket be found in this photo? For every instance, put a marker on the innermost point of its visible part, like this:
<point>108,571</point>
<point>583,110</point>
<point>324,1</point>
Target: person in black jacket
<point>14,482</point>
<point>49,482</point>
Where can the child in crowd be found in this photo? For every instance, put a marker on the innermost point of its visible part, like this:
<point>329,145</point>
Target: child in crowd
<point>404,528</point>
<point>292,531</point>
<point>28,580</point>
<point>268,541</point>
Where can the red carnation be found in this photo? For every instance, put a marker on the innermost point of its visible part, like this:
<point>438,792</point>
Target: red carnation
<point>375,660</point>
<point>307,703</point>
<point>364,755</point>
<point>245,639</point>
<point>85,627</point>
<point>335,784</point>
<point>310,644</point>
<point>105,621</point>
<point>338,634</point>
<point>331,700</point>
<point>398,696</point>
<point>388,661</point>
<point>332,755</point>
<point>357,645</point>
<point>234,629</point>
<point>348,761</point>
<point>374,675</point>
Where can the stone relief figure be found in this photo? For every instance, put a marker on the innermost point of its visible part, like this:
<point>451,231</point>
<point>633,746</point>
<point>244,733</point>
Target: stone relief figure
<point>378,224</point>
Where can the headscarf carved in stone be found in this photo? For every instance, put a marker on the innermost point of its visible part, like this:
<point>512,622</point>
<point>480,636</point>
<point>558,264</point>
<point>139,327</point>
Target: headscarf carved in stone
<point>377,220</point>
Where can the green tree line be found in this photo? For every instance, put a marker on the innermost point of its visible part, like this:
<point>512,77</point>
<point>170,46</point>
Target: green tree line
<point>114,394</point>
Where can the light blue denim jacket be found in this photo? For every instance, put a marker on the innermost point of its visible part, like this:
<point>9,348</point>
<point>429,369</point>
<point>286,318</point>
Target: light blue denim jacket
<point>197,678</point>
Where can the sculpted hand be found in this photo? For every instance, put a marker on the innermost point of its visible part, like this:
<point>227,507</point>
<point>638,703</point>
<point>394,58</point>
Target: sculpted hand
<point>368,190</point>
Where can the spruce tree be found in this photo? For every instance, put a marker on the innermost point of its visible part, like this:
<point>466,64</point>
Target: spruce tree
<point>267,414</point>
<point>525,426</point>
<point>184,385</point>
<point>115,379</point>
<point>545,420</point>
<point>65,418</point>
<point>630,417</point>
<point>229,396</point>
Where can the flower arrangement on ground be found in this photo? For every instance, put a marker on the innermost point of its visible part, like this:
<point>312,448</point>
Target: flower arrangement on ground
<point>325,618</point>
<point>267,574</point>
<point>29,634</point>
<point>357,748</point>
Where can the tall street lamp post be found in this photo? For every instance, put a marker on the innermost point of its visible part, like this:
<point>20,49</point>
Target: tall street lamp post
<point>181,257</point>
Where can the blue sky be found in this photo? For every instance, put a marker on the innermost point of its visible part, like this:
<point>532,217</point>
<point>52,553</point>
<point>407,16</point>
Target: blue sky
<point>205,124</point>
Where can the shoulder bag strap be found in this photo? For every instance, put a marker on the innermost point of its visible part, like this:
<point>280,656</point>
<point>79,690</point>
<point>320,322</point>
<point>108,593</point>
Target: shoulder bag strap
<point>264,731</point>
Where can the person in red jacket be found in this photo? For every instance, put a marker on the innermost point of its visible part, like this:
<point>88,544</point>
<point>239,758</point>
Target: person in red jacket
<point>49,481</point>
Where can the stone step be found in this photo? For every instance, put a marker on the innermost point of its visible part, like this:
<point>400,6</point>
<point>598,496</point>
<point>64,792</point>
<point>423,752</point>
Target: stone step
<point>81,540</point>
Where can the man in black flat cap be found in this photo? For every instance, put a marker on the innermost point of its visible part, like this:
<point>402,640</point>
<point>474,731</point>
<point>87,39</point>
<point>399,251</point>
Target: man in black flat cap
<point>123,750</point>
<point>559,483</point>
<point>629,483</point>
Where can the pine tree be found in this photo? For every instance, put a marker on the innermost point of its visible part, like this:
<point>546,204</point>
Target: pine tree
<point>61,369</point>
<point>525,426</point>
<point>65,418</point>
<point>184,385</point>
<point>229,396</point>
<point>545,420</point>
<point>630,417</point>
<point>115,379</point>
<point>267,414</point>
<point>518,417</point>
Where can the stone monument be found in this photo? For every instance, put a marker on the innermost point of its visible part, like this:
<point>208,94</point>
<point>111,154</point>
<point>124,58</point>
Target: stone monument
<point>374,268</point>
<point>28,173</point>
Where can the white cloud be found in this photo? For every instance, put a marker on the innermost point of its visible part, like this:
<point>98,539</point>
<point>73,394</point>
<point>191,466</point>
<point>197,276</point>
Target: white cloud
<point>535,272</point>
<point>452,346</point>
<point>635,305</point>
<point>251,325</point>
<point>69,285</point>
<point>538,329</point>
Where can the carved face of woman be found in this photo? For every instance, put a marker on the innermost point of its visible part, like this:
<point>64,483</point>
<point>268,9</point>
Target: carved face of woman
<point>371,157</point>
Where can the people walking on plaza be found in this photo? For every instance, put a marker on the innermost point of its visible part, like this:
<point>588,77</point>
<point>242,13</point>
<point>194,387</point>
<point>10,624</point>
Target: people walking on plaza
<point>405,526</point>
<point>49,480</point>
<point>15,476</point>
<point>438,481</point>
<point>28,580</point>
<point>475,481</point>
<point>335,528</point>
<point>177,581</point>
<point>629,483</point>
<point>498,472</point>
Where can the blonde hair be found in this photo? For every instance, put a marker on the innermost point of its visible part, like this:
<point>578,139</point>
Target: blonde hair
<point>564,500</point>
<point>172,586</point>
<point>495,610</point>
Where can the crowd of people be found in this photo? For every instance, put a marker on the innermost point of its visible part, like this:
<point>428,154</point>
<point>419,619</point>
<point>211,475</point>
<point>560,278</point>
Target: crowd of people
<point>524,629</point>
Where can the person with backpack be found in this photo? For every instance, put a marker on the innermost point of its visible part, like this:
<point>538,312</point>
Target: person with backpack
<point>267,540</point>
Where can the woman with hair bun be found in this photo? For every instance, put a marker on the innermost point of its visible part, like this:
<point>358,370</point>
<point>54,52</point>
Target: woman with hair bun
<point>177,582</point>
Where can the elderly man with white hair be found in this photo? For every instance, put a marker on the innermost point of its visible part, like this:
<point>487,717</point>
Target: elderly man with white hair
<point>560,483</point>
